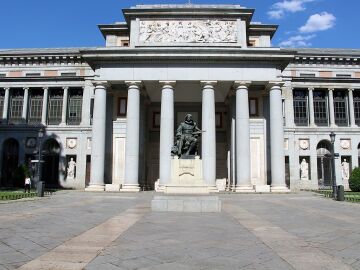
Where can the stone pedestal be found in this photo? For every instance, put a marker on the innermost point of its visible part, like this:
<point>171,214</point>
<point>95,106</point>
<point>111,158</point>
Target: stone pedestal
<point>195,204</point>
<point>187,177</point>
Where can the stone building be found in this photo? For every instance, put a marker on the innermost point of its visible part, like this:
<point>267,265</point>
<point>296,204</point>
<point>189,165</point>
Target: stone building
<point>112,110</point>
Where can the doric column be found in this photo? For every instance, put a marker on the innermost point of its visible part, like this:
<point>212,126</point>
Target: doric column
<point>166,130</point>
<point>243,167</point>
<point>6,104</point>
<point>131,181</point>
<point>97,182</point>
<point>233,144</point>
<point>45,105</point>
<point>311,106</point>
<point>25,105</point>
<point>208,147</point>
<point>351,108</point>
<point>64,106</point>
<point>331,107</point>
<point>277,140</point>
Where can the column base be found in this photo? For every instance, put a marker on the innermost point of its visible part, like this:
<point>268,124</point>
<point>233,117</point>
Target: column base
<point>112,187</point>
<point>280,189</point>
<point>130,188</point>
<point>95,187</point>
<point>213,189</point>
<point>244,189</point>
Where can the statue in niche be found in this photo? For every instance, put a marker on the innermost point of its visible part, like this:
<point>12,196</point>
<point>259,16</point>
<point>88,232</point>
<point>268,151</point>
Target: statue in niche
<point>304,169</point>
<point>71,169</point>
<point>345,170</point>
<point>187,138</point>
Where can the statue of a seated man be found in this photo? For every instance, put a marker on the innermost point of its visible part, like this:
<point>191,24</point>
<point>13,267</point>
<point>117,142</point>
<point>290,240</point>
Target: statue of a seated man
<point>187,138</point>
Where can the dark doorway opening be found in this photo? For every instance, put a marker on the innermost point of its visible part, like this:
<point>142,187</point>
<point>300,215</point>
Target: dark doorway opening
<point>10,163</point>
<point>50,167</point>
<point>324,164</point>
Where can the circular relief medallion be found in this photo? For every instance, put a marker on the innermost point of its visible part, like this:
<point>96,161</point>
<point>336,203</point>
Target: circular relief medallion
<point>71,143</point>
<point>304,144</point>
<point>345,144</point>
<point>31,142</point>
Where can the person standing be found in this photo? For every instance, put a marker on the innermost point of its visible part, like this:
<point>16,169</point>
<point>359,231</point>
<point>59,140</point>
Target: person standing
<point>27,183</point>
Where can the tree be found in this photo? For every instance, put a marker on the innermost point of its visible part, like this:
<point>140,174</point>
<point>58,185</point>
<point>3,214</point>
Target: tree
<point>354,180</point>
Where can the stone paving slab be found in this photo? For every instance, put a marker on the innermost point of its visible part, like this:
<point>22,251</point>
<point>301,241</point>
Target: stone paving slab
<point>79,230</point>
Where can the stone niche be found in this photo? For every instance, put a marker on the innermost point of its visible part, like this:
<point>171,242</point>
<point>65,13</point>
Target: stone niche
<point>186,177</point>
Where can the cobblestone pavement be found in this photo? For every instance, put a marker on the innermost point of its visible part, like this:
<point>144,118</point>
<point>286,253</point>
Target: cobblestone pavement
<point>79,230</point>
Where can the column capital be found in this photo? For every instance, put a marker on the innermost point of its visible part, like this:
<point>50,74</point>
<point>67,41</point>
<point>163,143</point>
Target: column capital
<point>26,88</point>
<point>331,89</point>
<point>133,83</point>
<point>103,84</point>
<point>238,84</point>
<point>351,89</point>
<point>167,83</point>
<point>275,84</point>
<point>311,88</point>
<point>208,83</point>
<point>45,88</point>
<point>6,88</point>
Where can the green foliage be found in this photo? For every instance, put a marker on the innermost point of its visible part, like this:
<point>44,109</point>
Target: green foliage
<point>19,175</point>
<point>354,180</point>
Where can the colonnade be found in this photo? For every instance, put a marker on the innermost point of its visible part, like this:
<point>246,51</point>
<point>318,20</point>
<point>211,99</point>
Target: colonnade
<point>25,108</point>
<point>208,154</point>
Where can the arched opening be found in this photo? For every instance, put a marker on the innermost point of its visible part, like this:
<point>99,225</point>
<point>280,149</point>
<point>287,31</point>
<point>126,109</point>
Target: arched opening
<point>50,167</point>
<point>10,162</point>
<point>323,150</point>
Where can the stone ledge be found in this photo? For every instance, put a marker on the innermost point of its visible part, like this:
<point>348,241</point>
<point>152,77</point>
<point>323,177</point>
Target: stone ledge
<point>179,203</point>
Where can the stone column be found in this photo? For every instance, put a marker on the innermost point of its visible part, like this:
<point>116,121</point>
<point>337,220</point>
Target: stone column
<point>208,147</point>
<point>277,140</point>
<point>331,107</point>
<point>233,144</point>
<point>166,130</point>
<point>311,106</point>
<point>64,106</point>
<point>45,106</point>
<point>131,181</point>
<point>6,104</point>
<point>243,167</point>
<point>97,182</point>
<point>25,105</point>
<point>351,108</point>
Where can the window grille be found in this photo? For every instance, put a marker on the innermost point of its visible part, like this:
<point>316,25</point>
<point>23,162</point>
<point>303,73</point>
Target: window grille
<point>2,75</point>
<point>343,75</point>
<point>308,75</point>
<point>68,74</point>
<point>2,99</point>
<point>16,107</point>
<point>75,107</point>
<point>300,108</point>
<point>35,108</point>
<point>357,110</point>
<point>320,109</point>
<point>340,108</point>
<point>33,74</point>
<point>55,107</point>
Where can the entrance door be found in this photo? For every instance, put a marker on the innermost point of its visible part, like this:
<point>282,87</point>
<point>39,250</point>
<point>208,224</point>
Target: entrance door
<point>50,167</point>
<point>88,170</point>
<point>10,163</point>
<point>324,164</point>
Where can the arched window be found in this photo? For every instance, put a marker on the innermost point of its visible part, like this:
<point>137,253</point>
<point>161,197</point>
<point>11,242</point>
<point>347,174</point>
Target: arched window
<point>50,167</point>
<point>323,150</point>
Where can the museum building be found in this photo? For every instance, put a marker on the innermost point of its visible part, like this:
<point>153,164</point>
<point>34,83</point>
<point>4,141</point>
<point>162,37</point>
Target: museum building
<point>104,118</point>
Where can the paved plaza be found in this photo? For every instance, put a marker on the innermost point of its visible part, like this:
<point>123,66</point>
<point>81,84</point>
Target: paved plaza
<point>79,230</point>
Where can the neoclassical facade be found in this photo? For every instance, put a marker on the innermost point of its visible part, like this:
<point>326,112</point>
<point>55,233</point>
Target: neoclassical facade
<point>109,113</point>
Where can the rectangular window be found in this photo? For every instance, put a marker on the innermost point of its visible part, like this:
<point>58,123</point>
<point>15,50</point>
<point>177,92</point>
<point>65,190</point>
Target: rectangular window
<point>357,107</point>
<point>91,110</point>
<point>320,108</point>
<point>122,106</point>
<point>55,106</point>
<point>308,75</point>
<point>16,106</point>
<point>300,107</point>
<point>37,74</point>
<point>343,75</point>
<point>35,107</point>
<point>75,107</point>
<point>68,74</point>
<point>253,107</point>
<point>340,108</point>
<point>2,98</point>
<point>2,75</point>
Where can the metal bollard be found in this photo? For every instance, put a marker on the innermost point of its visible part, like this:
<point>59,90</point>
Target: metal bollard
<point>40,187</point>
<point>340,193</point>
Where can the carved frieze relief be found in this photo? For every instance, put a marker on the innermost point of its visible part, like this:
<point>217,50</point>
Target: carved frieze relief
<point>188,31</point>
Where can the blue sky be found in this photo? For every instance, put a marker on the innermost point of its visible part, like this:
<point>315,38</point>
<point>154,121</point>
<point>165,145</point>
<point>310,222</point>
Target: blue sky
<point>73,23</point>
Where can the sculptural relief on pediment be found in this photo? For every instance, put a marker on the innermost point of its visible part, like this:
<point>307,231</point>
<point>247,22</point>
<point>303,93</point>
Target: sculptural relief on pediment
<point>188,31</point>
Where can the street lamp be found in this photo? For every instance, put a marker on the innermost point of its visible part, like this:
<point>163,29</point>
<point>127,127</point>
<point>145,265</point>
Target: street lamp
<point>333,176</point>
<point>40,136</point>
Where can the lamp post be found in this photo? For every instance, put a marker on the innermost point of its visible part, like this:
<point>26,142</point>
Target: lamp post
<point>40,136</point>
<point>333,176</point>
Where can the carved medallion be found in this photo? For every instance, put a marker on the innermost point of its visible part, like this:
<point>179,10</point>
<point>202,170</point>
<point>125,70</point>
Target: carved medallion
<point>345,144</point>
<point>30,142</point>
<point>188,31</point>
<point>71,143</point>
<point>304,144</point>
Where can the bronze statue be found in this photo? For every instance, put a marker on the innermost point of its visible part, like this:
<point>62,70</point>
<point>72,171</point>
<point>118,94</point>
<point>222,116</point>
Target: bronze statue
<point>187,138</point>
